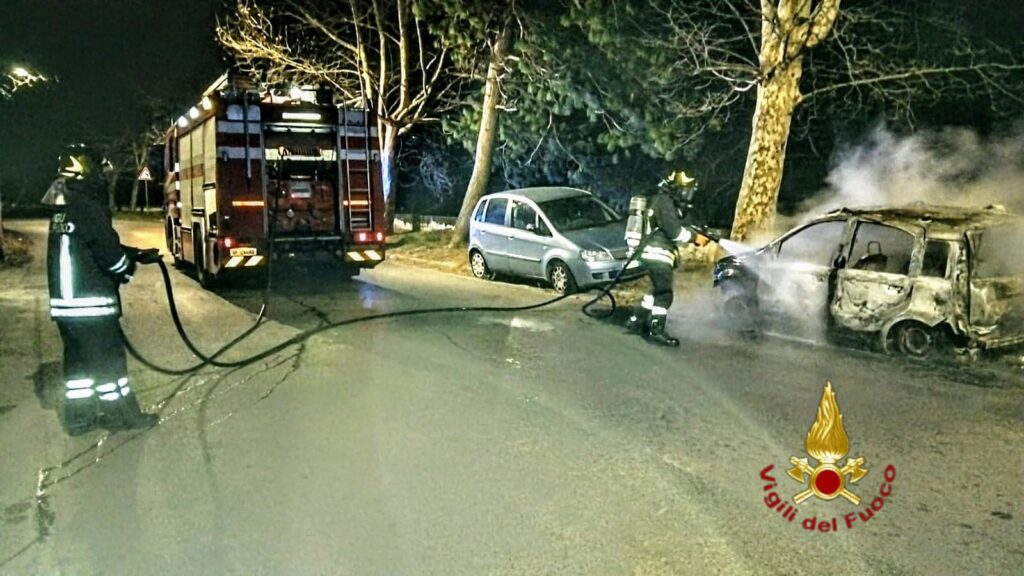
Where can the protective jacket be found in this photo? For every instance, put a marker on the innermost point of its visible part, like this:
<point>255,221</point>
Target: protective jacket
<point>667,229</point>
<point>85,260</point>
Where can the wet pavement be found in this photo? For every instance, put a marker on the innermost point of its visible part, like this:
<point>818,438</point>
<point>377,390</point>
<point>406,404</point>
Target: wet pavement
<point>539,442</point>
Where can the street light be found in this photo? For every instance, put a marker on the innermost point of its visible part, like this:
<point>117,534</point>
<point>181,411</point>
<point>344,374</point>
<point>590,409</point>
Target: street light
<point>18,77</point>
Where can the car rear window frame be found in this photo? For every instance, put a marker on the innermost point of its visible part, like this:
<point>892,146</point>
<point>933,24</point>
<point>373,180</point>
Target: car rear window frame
<point>929,243</point>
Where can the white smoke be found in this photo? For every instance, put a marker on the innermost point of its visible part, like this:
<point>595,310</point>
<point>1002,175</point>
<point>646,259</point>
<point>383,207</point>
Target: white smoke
<point>954,167</point>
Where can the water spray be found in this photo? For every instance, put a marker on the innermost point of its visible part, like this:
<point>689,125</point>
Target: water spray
<point>729,246</point>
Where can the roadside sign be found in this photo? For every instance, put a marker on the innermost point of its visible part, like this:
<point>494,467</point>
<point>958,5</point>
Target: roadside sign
<point>145,175</point>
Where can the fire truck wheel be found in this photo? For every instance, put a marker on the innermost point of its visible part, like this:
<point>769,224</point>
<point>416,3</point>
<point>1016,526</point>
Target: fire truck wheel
<point>203,275</point>
<point>478,265</point>
<point>169,237</point>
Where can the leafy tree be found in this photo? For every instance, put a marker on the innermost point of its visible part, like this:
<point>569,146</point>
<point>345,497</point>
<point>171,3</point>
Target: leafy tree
<point>670,79</point>
<point>574,105</point>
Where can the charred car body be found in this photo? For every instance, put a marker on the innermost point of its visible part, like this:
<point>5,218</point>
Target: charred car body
<point>918,279</point>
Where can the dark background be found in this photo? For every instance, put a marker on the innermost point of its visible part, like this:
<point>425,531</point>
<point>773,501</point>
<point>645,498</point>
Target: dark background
<point>113,59</point>
<point>110,58</point>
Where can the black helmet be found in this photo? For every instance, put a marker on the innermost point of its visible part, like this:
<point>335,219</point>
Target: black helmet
<point>80,161</point>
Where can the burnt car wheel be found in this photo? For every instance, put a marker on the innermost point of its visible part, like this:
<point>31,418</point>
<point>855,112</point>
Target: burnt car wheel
<point>478,265</point>
<point>917,340</point>
<point>740,314</point>
<point>561,278</point>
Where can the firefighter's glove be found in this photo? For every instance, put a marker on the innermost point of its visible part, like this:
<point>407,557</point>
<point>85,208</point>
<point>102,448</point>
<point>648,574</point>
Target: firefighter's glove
<point>126,276</point>
<point>148,256</point>
<point>701,240</point>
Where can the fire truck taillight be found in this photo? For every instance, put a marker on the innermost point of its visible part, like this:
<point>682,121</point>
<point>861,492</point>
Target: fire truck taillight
<point>229,242</point>
<point>366,237</point>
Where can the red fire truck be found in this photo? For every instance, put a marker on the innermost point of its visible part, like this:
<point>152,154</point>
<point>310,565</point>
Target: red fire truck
<point>253,174</point>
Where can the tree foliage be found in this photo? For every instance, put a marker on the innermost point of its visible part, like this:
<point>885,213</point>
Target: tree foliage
<point>599,83</point>
<point>575,101</point>
<point>608,93</point>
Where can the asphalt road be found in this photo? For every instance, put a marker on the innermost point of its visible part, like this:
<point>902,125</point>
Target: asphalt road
<point>539,442</point>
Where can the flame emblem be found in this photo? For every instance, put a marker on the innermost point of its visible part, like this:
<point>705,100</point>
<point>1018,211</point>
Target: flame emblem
<point>827,443</point>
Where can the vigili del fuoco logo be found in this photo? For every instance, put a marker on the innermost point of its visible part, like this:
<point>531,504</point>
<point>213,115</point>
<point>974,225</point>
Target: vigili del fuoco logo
<point>827,480</point>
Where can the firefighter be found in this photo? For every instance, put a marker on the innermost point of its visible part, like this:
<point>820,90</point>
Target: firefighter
<point>86,263</point>
<point>665,212</point>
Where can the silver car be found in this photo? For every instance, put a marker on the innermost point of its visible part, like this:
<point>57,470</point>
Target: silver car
<point>563,235</point>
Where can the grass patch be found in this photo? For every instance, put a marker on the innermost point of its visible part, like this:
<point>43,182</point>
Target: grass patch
<point>428,249</point>
<point>17,250</point>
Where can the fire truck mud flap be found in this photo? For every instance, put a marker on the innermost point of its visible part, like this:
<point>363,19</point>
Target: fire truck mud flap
<point>365,258</point>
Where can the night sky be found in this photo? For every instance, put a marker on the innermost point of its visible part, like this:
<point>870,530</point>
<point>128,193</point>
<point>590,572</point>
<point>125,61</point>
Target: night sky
<point>110,56</point>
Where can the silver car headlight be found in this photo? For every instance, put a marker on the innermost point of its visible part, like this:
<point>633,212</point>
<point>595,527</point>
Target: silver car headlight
<point>595,256</point>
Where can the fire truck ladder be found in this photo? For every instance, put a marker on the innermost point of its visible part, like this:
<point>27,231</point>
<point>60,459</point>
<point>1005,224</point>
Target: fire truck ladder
<point>358,179</point>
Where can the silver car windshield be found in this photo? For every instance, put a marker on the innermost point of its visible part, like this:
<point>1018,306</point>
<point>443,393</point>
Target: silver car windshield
<point>577,212</point>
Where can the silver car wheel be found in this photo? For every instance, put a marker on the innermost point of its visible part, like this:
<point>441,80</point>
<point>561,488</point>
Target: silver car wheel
<point>561,278</point>
<point>478,265</point>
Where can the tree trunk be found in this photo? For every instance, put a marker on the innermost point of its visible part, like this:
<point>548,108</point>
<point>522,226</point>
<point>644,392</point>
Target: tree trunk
<point>135,195</point>
<point>111,190</point>
<point>389,175</point>
<point>481,177</point>
<point>762,176</point>
<point>789,29</point>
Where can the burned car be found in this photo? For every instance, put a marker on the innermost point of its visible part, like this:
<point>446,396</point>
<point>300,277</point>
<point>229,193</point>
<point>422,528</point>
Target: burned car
<point>917,280</point>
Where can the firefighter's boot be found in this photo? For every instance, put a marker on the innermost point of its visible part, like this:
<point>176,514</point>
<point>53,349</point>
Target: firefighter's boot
<point>639,321</point>
<point>658,334</point>
<point>76,416</point>
<point>132,417</point>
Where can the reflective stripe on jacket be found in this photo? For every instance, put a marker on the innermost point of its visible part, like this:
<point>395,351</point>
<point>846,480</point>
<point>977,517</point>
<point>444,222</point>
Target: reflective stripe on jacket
<point>85,260</point>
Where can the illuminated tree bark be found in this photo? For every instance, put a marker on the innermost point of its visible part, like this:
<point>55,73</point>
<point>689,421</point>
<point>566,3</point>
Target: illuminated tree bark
<point>789,30</point>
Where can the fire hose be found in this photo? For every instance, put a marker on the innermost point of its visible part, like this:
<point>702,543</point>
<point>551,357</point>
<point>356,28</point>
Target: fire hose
<point>212,359</point>
<point>604,292</point>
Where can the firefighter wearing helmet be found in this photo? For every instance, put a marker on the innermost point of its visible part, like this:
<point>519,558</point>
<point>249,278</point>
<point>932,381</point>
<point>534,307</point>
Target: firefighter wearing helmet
<point>663,229</point>
<point>86,264</point>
